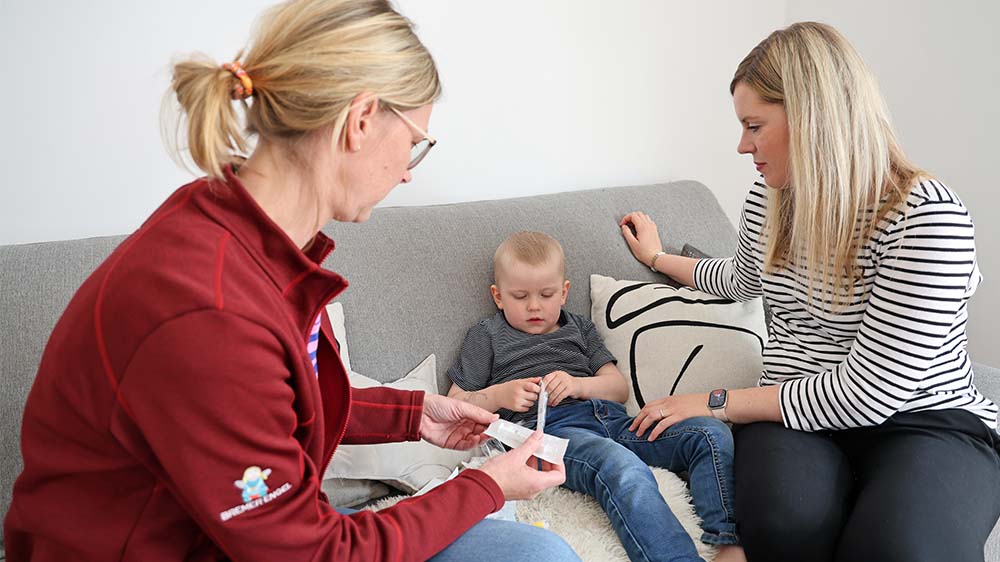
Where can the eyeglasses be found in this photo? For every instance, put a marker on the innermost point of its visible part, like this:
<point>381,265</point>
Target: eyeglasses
<point>419,150</point>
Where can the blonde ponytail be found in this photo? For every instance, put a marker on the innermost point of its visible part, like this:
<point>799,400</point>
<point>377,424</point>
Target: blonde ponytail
<point>214,133</point>
<point>309,59</point>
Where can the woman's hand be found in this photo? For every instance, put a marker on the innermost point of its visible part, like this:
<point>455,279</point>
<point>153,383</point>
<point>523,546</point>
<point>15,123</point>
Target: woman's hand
<point>518,395</point>
<point>665,412</point>
<point>454,424</point>
<point>561,385</point>
<point>645,243</point>
<point>516,473</point>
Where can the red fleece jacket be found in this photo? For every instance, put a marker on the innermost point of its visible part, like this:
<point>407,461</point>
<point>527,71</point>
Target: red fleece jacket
<point>176,414</point>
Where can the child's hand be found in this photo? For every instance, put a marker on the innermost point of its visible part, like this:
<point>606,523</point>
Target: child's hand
<point>561,385</point>
<point>519,395</point>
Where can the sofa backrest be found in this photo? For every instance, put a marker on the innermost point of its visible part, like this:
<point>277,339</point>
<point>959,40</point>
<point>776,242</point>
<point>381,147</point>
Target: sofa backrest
<point>37,281</point>
<point>420,276</point>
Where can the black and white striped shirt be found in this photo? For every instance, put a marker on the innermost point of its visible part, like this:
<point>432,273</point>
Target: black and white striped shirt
<point>899,346</point>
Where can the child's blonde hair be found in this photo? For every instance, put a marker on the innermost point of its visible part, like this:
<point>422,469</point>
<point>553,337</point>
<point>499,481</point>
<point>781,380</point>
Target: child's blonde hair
<point>531,248</point>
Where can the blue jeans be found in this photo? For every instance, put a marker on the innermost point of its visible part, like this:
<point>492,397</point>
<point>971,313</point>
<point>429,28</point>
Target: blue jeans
<point>492,540</point>
<point>607,461</point>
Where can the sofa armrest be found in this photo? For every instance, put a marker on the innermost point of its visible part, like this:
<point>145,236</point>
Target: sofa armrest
<point>987,380</point>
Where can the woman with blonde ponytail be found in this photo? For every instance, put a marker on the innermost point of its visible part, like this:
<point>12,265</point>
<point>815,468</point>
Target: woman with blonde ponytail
<point>866,438</point>
<point>192,394</point>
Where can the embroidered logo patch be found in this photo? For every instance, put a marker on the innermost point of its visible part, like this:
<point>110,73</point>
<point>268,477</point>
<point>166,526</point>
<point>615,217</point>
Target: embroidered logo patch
<point>254,491</point>
<point>253,485</point>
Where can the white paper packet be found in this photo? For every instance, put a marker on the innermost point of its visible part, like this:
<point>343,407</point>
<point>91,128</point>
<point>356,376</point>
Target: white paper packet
<point>552,448</point>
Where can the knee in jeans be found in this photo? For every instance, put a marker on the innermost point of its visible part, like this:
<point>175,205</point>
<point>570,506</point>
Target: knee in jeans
<point>616,468</point>
<point>623,467</point>
<point>720,431</point>
<point>719,434</point>
<point>546,546</point>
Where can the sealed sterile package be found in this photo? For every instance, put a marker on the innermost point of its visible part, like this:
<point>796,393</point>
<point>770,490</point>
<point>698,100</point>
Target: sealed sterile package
<point>552,448</point>
<point>491,448</point>
<point>486,451</point>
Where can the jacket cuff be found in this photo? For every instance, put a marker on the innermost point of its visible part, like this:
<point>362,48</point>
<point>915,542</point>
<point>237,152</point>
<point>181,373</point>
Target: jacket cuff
<point>384,415</point>
<point>488,484</point>
<point>416,415</point>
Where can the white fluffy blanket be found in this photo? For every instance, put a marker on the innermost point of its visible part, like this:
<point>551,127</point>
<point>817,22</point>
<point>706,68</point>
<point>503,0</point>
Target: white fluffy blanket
<point>579,520</point>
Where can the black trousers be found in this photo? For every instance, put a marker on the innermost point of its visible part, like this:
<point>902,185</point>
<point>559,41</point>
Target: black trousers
<point>920,487</point>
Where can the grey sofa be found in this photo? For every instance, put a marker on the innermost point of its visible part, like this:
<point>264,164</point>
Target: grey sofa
<point>419,278</point>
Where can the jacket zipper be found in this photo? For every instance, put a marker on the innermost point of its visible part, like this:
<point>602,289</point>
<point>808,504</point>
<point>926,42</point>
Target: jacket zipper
<point>350,395</point>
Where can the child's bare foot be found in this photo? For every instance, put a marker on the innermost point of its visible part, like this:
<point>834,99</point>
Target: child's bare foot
<point>730,553</point>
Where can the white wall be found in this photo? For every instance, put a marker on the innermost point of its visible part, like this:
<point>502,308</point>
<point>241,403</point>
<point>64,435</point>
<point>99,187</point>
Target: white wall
<point>937,65</point>
<point>554,95</point>
<point>80,89</point>
<point>540,96</point>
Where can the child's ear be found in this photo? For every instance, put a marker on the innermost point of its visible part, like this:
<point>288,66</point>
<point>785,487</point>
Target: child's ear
<point>565,291</point>
<point>496,296</point>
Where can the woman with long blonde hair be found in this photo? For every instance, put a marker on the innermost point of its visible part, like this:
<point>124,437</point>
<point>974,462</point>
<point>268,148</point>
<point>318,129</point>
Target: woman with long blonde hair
<point>866,438</point>
<point>192,394</point>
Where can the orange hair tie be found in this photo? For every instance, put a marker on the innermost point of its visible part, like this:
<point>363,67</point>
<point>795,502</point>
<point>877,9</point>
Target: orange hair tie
<point>244,89</point>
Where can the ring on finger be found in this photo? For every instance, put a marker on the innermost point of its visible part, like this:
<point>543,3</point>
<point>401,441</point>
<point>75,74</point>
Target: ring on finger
<point>662,415</point>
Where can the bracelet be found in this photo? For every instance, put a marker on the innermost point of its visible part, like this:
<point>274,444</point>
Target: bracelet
<point>652,263</point>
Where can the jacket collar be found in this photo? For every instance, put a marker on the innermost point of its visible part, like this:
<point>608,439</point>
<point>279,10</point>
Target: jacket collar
<point>296,273</point>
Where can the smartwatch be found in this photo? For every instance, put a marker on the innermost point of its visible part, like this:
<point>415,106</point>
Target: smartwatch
<point>717,400</point>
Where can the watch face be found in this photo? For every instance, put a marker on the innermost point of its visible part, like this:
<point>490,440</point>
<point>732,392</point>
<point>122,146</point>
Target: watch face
<point>717,398</point>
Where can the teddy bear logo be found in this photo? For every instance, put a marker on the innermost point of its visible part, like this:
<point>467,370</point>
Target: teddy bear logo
<point>252,484</point>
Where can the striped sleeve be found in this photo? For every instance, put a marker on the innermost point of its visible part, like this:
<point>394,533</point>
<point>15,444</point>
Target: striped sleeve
<point>915,319</point>
<point>598,354</point>
<point>737,278</point>
<point>474,367</point>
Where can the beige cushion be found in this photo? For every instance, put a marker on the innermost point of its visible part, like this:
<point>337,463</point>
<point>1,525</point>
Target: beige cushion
<point>407,466</point>
<point>351,492</point>
<point>677,340</point>
<point>335,311</point>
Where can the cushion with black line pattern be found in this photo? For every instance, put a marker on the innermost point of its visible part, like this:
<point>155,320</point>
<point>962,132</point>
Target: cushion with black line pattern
<point>677,340</point>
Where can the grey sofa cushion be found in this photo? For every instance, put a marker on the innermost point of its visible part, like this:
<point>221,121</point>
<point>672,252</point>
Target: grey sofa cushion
<point>987,380</point>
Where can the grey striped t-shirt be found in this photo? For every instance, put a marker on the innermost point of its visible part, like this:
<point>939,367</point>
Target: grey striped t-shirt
<point>495,352</point>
